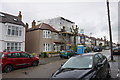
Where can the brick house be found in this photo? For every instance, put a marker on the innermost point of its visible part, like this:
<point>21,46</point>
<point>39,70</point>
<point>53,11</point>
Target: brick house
<point>43,38</point>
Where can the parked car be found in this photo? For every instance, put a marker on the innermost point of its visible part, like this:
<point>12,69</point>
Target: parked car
<point>116,51</point>
<point>11,60</point>
<point>90,66</point>
<point>87,49</point>
<point>107,48</point>
<point>67,53</point>
<point>97,49</point>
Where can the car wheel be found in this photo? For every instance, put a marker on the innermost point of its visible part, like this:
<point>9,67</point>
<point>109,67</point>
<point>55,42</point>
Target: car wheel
<point>8,68</point>
<point>109,73</point>
<point>34,63</point>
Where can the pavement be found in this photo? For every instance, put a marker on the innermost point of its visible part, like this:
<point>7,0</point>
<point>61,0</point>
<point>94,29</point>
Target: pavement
<point>48,60</point>
<point>115,68</point>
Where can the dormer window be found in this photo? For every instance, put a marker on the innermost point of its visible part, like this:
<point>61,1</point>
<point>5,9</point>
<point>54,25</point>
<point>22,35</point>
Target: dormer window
<point>2,15</point>
<point>15,19</point>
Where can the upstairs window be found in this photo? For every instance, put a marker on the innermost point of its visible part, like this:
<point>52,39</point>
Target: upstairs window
<point>46,34</point>
<point>14,31</point>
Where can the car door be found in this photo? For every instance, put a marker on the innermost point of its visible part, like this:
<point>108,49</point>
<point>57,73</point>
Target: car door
<point>26,59</point>
<point>99,70</point>
<point>14,59</point>
<point>105,64</point>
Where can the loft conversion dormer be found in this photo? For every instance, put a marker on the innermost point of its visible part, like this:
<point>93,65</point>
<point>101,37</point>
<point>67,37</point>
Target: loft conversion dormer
<point>2,15</point>
<point>15,19</point>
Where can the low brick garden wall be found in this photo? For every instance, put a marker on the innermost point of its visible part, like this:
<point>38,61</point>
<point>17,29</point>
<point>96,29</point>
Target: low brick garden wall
<point>49,54</point>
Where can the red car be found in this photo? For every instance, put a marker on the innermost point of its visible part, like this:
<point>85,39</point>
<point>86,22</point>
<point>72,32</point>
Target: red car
<point>11,60</point>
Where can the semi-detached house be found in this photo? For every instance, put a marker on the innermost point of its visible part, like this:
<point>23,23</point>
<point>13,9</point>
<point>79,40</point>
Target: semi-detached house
<point>12,32</point>
<point>43,38</point>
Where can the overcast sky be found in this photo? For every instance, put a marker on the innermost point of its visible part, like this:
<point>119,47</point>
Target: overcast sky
<point>88,15</point>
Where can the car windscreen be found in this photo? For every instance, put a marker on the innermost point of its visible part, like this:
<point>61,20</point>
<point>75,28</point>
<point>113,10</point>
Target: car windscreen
<point>1,55</point>
<point>79,62</point>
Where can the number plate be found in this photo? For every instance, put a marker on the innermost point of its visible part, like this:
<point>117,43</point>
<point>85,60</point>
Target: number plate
<point>62,53</point>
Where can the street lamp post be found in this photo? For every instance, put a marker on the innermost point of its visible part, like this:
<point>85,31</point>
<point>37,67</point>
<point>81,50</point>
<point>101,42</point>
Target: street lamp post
<point>110,32</point>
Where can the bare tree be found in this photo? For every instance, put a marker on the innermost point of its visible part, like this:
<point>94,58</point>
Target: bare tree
<point>74,31</point>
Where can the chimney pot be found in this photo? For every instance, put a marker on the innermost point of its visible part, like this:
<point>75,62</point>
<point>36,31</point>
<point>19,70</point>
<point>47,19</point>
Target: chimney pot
<point>26,27</point>
<point>20,16</point>
<point>33,24</point>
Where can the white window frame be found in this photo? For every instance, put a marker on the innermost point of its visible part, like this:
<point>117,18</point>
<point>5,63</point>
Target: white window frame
<point>17,30</point>
<point>15,48</point>
<point>46,47</point>
<point>47,34</point>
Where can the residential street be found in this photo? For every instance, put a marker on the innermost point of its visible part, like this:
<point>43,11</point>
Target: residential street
<point>46,70</point>
<point>43,35</point>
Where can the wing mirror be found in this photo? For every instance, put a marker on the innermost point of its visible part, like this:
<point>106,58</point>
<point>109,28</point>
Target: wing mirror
<point>99,64</point>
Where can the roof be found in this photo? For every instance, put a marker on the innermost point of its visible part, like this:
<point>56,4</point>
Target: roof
<point>93,38</point>
<point>7,18</point>
<point>59,18</point>
<point>66,32</point>
<point>43,26</point>
<point>84,35</point>
<point>100,39</point>
<point>67,20</point>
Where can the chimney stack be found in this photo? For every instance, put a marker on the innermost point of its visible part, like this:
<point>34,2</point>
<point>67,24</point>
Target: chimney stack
<point>26,27</point>
<point>33,24</point>
<point>20,16</point>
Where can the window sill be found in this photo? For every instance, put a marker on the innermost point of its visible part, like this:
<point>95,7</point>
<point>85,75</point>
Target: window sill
<point>12,36</point>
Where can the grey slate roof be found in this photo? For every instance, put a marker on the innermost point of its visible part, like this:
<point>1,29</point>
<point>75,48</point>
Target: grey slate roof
<point>7,18</point>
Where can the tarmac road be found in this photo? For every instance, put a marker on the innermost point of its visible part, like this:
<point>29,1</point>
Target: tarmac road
<point>41,71</point>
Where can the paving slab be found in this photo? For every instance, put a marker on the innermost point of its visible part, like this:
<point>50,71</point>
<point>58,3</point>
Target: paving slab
<point>115,67</point>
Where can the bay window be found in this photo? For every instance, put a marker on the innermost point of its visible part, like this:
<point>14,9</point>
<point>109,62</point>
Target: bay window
<point>13,46</point>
